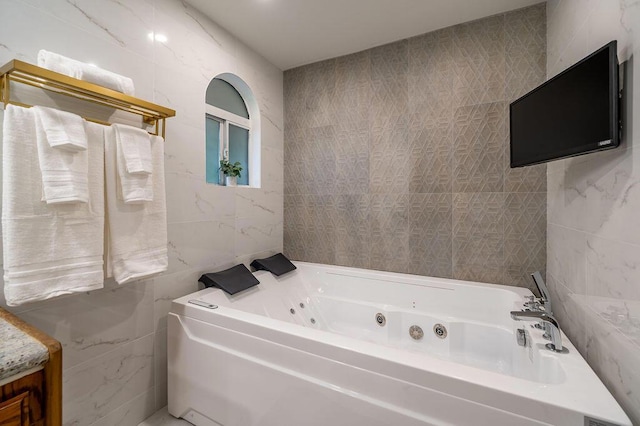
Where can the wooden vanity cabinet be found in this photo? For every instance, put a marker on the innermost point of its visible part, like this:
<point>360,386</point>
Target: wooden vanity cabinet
<point>35,399</point>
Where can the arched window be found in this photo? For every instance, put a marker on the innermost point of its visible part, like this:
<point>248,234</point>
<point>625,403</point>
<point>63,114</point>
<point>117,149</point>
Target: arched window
<point>232,129</point>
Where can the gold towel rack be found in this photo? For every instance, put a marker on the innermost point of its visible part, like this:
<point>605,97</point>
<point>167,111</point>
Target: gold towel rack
<point>32,75</point>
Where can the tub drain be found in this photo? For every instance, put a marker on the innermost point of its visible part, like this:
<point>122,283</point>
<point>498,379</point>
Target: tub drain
<point>440,331</point>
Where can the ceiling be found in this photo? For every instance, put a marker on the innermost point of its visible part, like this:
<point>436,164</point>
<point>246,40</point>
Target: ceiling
<point>290,33</point>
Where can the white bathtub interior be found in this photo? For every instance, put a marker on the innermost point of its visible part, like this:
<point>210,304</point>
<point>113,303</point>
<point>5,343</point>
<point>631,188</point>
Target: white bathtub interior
<point>330,312</point>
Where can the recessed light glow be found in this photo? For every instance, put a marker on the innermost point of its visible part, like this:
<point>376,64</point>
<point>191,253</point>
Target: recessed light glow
<point>158,37</point>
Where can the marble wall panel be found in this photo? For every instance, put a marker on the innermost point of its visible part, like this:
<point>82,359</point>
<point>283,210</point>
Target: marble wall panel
<point>593,205</point>
<point>114,342</point>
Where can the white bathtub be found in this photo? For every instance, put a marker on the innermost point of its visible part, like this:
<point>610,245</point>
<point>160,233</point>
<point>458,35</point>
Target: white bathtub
<point>260,358</point>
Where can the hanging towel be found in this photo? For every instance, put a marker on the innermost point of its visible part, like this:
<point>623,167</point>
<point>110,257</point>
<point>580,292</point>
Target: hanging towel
<point>131,188</point>
<point>65,174</point>
<point>64,130</point>
<point>137,233</point>
<point>49,250</point>
<point>83,71</point>
<point>134,146</point>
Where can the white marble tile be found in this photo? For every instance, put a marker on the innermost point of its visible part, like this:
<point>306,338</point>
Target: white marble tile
<point>180,16</point>
<point>621,314</point>
<point>253,234</point>
<point>555,196</point>
<point>616,360</point>
<point>90,324</point>
<point>566,257</point>
<point>182,89</point>
<point>162,393</point>
<point>246,259</point>
<point>170,287</point>
<point>97,387</point>
<point>604,25</point>
<point>194,245</point>
<point>191,199</point>
<point>613,269</point>
<point>261,203</point>
<point>111,374</point>
<point>160,353</point>
<point>567,311</point>
<point>566,21</point>
<point>131,412</point>
<point>272,133</point>
<point>599,194</point>
<point>556,166</point>
<point>191,46</point>
<point>266,83</point>
<point>22,42</point>
<point>630,19</point>
<point>272,169</point>
<point>184,150</point>
<point>598,197</point>
<point>125,24</point>
<point>163,418</point>
<point>613,196</point>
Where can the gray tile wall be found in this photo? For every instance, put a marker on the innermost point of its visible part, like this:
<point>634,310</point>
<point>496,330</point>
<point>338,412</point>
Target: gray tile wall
<point>397,158</point>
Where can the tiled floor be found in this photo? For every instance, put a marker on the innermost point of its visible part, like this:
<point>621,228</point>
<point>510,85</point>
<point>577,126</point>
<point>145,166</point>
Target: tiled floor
<point>163,418</point>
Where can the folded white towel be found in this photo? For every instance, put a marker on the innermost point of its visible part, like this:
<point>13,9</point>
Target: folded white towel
<point>86,72</point>
<point>131,188</point>
<point>64,130</point>
<point>134,146</point>
<point>64,173</point>
<point>137,233</point>
<point>49,250</point>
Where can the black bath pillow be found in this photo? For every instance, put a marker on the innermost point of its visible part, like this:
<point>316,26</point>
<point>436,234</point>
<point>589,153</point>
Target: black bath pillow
<point>232,280</point>
<point>277,264</point>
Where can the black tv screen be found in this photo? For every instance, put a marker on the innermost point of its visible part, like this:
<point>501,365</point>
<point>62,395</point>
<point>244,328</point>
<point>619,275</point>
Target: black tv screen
<point>573,113</point>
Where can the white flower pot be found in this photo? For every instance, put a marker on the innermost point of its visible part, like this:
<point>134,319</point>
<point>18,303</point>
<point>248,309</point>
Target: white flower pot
<point>231,180</point>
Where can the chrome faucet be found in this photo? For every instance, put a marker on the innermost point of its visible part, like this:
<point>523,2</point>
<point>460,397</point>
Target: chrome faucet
<point>545,298</point>
<point>547,319</point>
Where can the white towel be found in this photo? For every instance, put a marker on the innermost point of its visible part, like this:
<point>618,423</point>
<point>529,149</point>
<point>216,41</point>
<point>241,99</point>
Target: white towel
<point>86,72</point>
<point>137,233</point>
<point>132,188</point>
<point>49,250</point>
<point>134,146</point>
<point>64,130</point>
<point>65,174</point>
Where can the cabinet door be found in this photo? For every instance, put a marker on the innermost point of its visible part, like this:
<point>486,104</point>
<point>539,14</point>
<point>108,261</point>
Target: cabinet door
<point>15,411</point>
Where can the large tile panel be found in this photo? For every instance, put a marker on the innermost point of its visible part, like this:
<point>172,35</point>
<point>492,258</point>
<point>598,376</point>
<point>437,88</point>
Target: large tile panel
<point>478,237</point>
<point>389,249</point>
<point>95,388</point>
<point>525,247</point>
<point>525,50</point>
<point>353,230</point>
<point>479,61</point>
<point>479,138</point>
<point>430,234</point>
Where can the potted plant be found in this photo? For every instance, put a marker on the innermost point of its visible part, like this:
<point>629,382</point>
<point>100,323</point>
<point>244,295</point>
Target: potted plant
<point>231,172</point>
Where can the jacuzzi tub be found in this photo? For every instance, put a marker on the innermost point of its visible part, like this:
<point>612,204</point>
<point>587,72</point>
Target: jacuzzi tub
<point>308,348</point>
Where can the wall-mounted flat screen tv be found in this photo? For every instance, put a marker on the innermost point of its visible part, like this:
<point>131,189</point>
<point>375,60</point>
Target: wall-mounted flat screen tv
<point>574,113</point>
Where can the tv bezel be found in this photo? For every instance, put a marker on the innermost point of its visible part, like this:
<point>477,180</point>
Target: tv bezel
<point>614,111</point>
